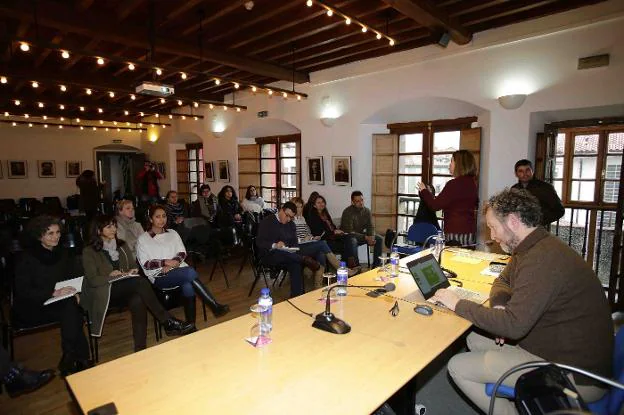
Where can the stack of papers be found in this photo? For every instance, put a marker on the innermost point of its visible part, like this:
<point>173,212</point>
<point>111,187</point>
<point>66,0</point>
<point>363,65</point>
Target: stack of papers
<point>76,283</point>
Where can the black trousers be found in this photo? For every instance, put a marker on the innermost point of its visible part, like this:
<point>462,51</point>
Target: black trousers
<point>66,312</point>
<point>5,362</point>
<point>137,294</point>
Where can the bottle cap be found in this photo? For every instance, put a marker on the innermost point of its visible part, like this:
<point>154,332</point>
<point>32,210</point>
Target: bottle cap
<point>395,249</point>
<point>264,291</point>
<point>343,264</point>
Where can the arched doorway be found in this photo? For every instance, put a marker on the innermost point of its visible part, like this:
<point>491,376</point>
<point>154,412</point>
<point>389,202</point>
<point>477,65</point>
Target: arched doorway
<point>116,167</point>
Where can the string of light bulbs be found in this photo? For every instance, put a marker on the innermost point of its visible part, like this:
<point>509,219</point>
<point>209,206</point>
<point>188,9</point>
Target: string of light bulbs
<point>77,120</point>
<point>330,11</point>
<point>159,70</point>
<point>31,124</point>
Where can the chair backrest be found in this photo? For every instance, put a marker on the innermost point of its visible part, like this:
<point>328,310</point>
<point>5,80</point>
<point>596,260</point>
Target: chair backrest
<point>420,231</point>
<point>389,238</point>
<point>616,396</point>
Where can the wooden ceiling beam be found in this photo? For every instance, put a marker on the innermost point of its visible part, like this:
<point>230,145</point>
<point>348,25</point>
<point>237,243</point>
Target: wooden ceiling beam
<point>96,25</point>
<point>21,31</point>
<point>427,14</point>
<point>85,4</point>
<point>73,60</point>
<point>174,14</point>
<point>126,8</point>
<point>212,17</point>
<point>46,52</point>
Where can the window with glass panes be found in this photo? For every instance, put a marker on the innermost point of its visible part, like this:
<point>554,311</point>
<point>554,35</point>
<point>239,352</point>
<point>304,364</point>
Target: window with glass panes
<point>423,156</point>
<point>190,170</point>
<point>280,161</point>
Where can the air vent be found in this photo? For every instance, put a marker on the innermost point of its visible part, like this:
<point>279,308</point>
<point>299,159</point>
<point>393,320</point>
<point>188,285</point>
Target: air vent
<point>596,61</point>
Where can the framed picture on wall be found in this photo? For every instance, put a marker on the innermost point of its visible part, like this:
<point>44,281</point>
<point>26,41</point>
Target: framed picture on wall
<point>73,168</point>
<point>341,170</point>
<point>315,170</point>
<point>209,169</point>
<point>46,168</point>
<point>17,169</point>
<point>161,167</point>
<point>224,171</point>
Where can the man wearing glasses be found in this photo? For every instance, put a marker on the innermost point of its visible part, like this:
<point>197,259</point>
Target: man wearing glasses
<point>277,242</point>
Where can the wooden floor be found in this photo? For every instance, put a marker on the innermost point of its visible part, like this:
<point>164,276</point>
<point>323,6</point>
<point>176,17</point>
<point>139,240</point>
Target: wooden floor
<point>42,350</point>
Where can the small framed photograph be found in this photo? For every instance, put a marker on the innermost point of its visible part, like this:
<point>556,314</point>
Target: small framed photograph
<point>73,168</point>
<point>17,169</point>
<point>315,170</point>
<point>161,167</point>
<point>209,169</point>
<point>341,170</point>
<point>224,171</point>
<point>46,168</point>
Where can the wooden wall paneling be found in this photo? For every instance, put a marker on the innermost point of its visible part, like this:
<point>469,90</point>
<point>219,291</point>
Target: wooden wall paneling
<point>248,168</point>
<point>384,181</point>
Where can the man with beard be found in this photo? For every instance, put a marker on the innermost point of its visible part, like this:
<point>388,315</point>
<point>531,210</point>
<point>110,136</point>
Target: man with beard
<point>546,305</point>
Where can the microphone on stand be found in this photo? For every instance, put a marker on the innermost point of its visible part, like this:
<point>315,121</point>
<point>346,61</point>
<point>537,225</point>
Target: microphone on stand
<point>328,322</point>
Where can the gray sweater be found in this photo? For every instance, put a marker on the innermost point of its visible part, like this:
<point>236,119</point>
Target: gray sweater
<point>357,221</point>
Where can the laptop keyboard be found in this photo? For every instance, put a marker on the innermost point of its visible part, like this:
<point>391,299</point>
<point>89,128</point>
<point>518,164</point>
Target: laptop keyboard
<point>469,295</point>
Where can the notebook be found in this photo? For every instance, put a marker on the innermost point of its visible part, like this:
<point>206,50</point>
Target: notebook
<point>429,278</point>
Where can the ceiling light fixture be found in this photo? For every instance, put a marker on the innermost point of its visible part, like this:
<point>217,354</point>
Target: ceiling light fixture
<point>111,94</point>
<point>63,88</point>
<point>162,101</point>
<point>25,47</point>
<point>35,84</point>
<point>180,102</point>
<point>183,75</point>
<point>131,66</point>
<point>17,102</point>
<point>217,81</point>
<point>132,97</point>
<point>100,61</point>
<point>88,91</point>
<point>158,71</point>
<point>65,54</point>
<point>82,109</point>
<point>3,80</point>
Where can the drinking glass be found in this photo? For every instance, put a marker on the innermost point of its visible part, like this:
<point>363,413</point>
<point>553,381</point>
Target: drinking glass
<point>259,331</point>
<point>329,276</point>
<point>382,271</point>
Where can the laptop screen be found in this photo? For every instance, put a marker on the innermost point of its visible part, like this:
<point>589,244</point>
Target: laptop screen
<point>428,275</point>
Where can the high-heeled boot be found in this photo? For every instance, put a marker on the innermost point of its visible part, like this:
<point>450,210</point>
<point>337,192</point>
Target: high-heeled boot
<point>335,264</point>
<point>217,309</point>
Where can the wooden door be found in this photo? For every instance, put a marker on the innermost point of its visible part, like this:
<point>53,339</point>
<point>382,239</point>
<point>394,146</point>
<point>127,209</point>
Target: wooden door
<point>384,188</point>
<point>248,168</point>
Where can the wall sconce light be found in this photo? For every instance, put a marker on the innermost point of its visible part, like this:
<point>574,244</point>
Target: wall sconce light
<point>217,134</point>
<point>512,102</point>
<point>328,121</point>
<point>152,137</point>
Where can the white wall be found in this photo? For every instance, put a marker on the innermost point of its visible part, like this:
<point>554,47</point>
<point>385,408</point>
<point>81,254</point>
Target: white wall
<point>61,145</point>
<point>537,57</point>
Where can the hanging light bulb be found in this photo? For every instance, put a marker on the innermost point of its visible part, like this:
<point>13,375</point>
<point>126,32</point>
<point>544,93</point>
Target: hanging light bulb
<point>100,110</point>
<point>210,106</point>
<point>309,3</point>
<point>62,106</point>
<point>129,130</point>
<point>391,42</point>
<point>254,89</point>
<point>62,119</point>
<point>238,109</point>
<point>298,97</point>
<point>111,94</point>
<point>270,91</point>
<point>195,118</point>
<point>142,114</point>
<point>101,121</point>
<point>163,126</point>
<point>30,124</point>
<point>17,102</point>
<point>131,66</point>
<point>26,115</point>
<point>182,75</point>
<point>132,97</point>
<point>94,128</point>
<point>156,115</point>
<point>170,116</point>
<point>364,29</point>
<point>127,123</point>
<point>184,117</point>
<point>195,104</point>
<point>126,112</point>
<point>347,21</point>
<point>330,12</point>
<point>3,80</point>
<point>119,129</point>
<point>6,113</point>
<point>100,61</point>
<point>45,117</point>
<point>162,100</point>
<point>217,81</point>
<point>25,47</point>
<point>88,91</point>
<point>81,127</point>
<point>41,105</point>
<point>378,36</point>
<point>78,120</point>
<point>14,123</point>
<point>180,102</point>
<point>45,125</point>
<point>63,88</point>
<point>114,122</point>
<point>285,95</point>
<point>82,109</point>
<point>236,85</point>
<point>106,128</point>
<point>35,84</point>
<point>158,71</point>
<point>60,127</point>
<point>65,54</point>
<point>225,108</point>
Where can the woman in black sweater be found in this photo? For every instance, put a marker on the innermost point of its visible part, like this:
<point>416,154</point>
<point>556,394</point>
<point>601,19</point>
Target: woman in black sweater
<point>38,270</point>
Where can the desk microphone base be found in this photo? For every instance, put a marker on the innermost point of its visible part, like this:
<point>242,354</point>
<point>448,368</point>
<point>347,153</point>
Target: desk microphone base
<point>330,323</point>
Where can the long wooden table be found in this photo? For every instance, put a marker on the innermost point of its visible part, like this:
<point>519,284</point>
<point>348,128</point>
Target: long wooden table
<point>302,371</point>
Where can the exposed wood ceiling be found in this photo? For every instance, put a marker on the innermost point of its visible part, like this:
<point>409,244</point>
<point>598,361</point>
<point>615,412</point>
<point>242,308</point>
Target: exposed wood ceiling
<point>208,39</point>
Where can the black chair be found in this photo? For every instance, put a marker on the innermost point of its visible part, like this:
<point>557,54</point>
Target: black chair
<point>28,206</point>
<point>203,242</point>
<point>52,206</point>
<point>73,202</point>
<point>259,269</point>
<point>11,328</point>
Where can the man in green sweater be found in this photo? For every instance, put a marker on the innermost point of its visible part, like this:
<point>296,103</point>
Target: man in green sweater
<point>358,221</point>
<point>546,305</point>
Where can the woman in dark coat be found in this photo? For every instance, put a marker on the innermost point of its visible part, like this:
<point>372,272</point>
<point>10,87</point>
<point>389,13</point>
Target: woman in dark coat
<point>41,266</point>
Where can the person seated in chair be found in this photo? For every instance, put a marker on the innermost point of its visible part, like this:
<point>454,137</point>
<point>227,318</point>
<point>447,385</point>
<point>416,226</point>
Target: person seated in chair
<point>128,229</point>
<point>229,215</point>
<point>176,213</point>
<point>277,232</point>
<point>252,202</point>
<point>546,305</point>
<point>309,245</point>
<point>41,266</point>
<point>107,258</point>
<point>322,225</point>
<point>206,205</point>
<point>161,254</point>
<point>18,380</point>
<point>357,221</point>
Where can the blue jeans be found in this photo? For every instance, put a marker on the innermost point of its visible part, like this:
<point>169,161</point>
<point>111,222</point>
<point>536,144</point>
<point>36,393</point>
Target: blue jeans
<point>316,250</point>
<point>352,243</point>
<point>181,277</point>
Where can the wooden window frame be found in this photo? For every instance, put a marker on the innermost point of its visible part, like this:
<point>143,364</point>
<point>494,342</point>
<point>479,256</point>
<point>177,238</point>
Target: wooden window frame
<point>278,141</point>
<point>199,169</point>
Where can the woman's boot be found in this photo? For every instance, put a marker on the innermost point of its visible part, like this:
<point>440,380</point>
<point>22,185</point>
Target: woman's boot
<point>189,309</point>
<point>217,309</point>
<point>335,264</point>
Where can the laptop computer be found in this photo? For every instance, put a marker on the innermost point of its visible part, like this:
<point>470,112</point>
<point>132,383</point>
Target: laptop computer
<point>429,278</point>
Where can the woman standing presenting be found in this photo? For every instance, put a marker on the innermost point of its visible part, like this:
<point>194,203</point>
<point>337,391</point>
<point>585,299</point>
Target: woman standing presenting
<point>107,258</point>
<point>458,200</point>
<point>161,254</point>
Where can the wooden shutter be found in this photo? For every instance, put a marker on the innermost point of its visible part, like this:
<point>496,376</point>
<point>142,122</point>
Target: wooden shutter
<point>385,167</point>
<point>540,157</point>
<point>470,139</point>
<point>248,167</point>
<point>182,169</point>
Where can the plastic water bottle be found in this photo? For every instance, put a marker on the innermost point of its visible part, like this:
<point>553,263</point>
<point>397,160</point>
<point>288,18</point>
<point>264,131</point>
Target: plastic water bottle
<point>266,300</point>
<point>439,245</point>
<point>394,262</point>
<point>342,275</point>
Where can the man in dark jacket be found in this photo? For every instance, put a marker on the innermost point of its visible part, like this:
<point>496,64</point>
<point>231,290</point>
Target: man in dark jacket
<point>276,234</point>
<point>552,209</point>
